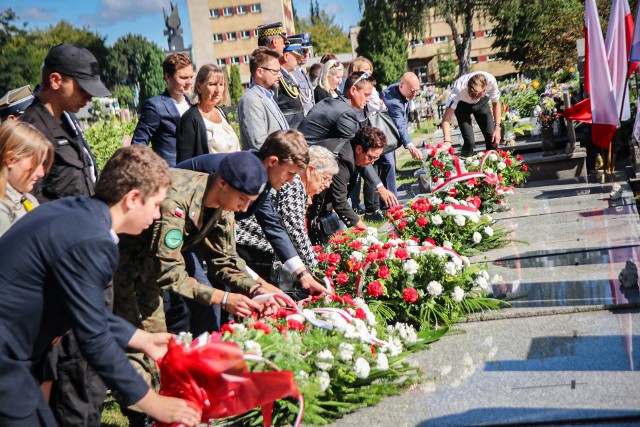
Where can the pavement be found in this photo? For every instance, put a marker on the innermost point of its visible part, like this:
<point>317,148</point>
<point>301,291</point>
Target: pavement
<point>564,353</point>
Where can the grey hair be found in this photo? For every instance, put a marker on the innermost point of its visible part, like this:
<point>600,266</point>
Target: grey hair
<point>328,68</point>
<point>322,160</point>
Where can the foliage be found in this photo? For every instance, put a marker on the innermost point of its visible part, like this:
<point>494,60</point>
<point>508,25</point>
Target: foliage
<point>124,94</point>
<point>328,36</point>
<point>384,45</point>
<point>446,66</point>
<point>105,138</point>
<point>519,95</point>
<point>235,85</point>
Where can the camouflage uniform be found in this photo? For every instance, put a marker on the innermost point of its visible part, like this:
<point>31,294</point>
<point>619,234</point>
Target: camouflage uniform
<point>152,261</point>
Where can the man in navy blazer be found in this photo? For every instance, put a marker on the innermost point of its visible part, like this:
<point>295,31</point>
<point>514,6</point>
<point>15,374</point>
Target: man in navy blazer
<point>49,285</point>
<point>161,114</point>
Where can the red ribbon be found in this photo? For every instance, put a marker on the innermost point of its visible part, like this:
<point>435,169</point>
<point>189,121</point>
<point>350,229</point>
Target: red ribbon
<point>214,378</point>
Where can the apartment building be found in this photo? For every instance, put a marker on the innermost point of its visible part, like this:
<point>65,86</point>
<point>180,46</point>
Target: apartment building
<point>224,31</point>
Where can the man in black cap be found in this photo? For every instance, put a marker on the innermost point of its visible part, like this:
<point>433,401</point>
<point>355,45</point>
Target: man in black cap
<point>300,75</point>
<point>287,93</point>
<point>70,78</point>
<point>272,36</point>
<point>14,102</point>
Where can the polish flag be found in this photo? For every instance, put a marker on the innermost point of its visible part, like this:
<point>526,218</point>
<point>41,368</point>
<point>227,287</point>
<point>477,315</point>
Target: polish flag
<point>600,109</point>
<point>618,46</point>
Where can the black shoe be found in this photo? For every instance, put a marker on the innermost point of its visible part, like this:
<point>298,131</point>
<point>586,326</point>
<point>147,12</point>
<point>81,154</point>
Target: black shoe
<point>359,211</point>
<point>375,216</point>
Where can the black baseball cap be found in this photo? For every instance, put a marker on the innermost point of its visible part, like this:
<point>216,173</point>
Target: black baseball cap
<point>76,61</point>
<point>244,172</point>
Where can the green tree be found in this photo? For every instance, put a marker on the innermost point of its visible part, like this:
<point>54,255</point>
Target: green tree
<point>135,60</point>
<point>446,65</point>
<point>384,45</point>
<point>235,85</point>
<point>327,35</point>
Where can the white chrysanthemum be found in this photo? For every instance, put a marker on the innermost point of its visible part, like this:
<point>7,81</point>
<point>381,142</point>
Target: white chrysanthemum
<point>324,360</point>
<point>501,166</point>
<point>436,220</point>
<point>450,199</point>
<point>339,323</point>
<point>439,252</point>
<point>457,262</point>
<point>482,283</point>
<point>345,351</point>
<point>411,242</point>
<point>488,171</point>
<point>468,160</point>
<point>496,279</point>
<point>395,242</point>
<point>351,332</point>
<point>488,231</point>
<point>372,240</point>
<point>362,240</point>
<point>253,347</point>
<point>488,217</point>
<point>372,231</point>
<point>475,163</point>
<point>474,218</point>
<point>324,379</point>
<point>458,294</point>
<point>434,288</point>
<point>360,303</point>
<point>449,210</point>
<point>357,255</point>
<point>493,157</point>
<point>382,363</point>
<point>433,200</point>
<point>477,237</point>
<point>361,368</point>
<point>413,250</point>
<point>450,269</point>
<point>238,327</point>
<point>302,374</point>
<point>460,220</point>
<point>465,260</point>
<point>411,267</point>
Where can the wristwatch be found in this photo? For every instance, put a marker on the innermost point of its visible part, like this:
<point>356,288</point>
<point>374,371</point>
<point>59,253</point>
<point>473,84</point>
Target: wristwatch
<point>499,125</point>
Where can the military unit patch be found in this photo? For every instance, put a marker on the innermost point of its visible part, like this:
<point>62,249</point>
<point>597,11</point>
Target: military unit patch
<point>173,238</point>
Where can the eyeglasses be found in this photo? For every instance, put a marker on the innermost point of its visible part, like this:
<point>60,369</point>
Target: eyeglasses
<point>274,72</point>
<point>363,76</point>
<point>414,90</point>
<point>325,179</point>
<point>371,158</point>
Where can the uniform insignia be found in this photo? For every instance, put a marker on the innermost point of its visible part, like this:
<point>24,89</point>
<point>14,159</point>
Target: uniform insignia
<point>262,188</point>
<point>179,213</point>
<point>173,238</point>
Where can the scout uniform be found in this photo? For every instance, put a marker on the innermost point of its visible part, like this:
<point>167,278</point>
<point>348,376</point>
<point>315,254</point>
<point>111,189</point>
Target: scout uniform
<point>287,94</point>
<point>14,207</point>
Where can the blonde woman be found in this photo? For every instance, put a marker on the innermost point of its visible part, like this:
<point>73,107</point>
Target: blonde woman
<point>25,156</point>
<point>204,129</point>
<point>331,75</point>
<point>366,66</point>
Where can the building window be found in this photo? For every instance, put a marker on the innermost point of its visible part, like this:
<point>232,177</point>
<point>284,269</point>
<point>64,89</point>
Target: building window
<point>227,11</point>
<point>245,59</point>
<point>245,34</point>
<point>416,42</point>
<point>214,13</point>
<point>489,33</point>
<point>473,35</point>
<point>217,38</point>
<point>235,60</point>
<point>220,62</point>
<point>232,37</point>
<point>256,8</point>
<point>474,60</point>
<point>441,39</point>
<point>493,57</point>
<point>242,10</point>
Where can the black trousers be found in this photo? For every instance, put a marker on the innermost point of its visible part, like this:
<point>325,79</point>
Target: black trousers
<point>481,111</point>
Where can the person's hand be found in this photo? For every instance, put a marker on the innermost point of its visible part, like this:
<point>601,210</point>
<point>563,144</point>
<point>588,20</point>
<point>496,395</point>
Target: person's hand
<point>270,306</point>
<point>309,282</point>
<point>240,305</point>
<point>157,345</point>
<point>415,153</point>
<point>169,409</point>
<point>495,138</point>
<point>390,200</point>
<point>361,225</point>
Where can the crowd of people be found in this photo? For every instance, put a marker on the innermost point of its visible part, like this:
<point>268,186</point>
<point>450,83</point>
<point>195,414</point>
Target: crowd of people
<point>179,236</point>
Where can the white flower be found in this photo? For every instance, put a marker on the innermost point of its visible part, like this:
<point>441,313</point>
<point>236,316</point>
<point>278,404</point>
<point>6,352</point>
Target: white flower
<point>345,351</point>
<point>238,327</point>
<point>382,363</point>
<point>450,199</point>
<point>475,163</point>
<point>449,210</point>
<point>434,288</point>
<point>482,283</point>
<point>308,313</point>
<point>372,231</point>
<point>303,374</point>
<point>360,303</point>
<point>458,294</point>
<point>339,323</point>
<point>460,220</point>
<point>484,274</point>
<point>324,379</point>
<point>297,317</point>
<point>413,250</point>
<point>488,171</point>
<point>362,368</point>
<point>357,255</point>
<point>324,360</point>
<point>433,200</point>
<point>465,260</point>
<point>488,231</point>
<point>436,220</point>
<point>411,267</point>
<point>411,242</point>
<point>450,269</point>
<point>493,157</point>
<point>439,252</point>
<point>253,347</point>
<point>488,217</point>
<point>372,240</point>
<point>468,160</point>
<point>474,218</point>
<point>350,332</point>
<point>497,279</point>
<point>457,262</point>
<point>477,237</point>
<point>501,166</point>
<point>407,332</point>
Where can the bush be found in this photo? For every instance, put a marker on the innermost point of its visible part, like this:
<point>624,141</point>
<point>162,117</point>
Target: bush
<point>105,138</point>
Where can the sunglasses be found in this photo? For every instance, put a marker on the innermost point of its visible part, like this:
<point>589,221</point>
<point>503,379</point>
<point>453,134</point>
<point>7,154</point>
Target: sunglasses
<point>363,76</point>
<point>336,64</point>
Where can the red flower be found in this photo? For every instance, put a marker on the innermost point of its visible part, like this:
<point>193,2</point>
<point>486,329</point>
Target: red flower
<point>383,272</point>
<point>508,161</point>
<point>356,244</point>
<point>410,295</point>
<point>475,201</point>
<point>452,192</point>
<point>317,248</point>
<point>430,240</point>
<point>447,174</point>
<point>401,253</point>
<point>322,256</point>
<point>283,329</point>
<point>261,326</point>
<point>375,289</point>
<point>371,257</point>
<point>295,325</point>
<point>342,278</point>
<point>519,157</point>
<point>360,314</point>
<point>402,225</point>
<point>373,350</point>
<point>353,265</point>
<point>451,150</point>
<point>334,258</point>
<point>331,270</point>
<point>375,248</point>
<point>435,163</point>
<point>382,255</point>
<point>525,167</point>
<point>434,179</point>
<point>393,236</point>
<point>422,221</point>
<point>227,327</point>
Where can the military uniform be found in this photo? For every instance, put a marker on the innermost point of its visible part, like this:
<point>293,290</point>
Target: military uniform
<point>287,95</point>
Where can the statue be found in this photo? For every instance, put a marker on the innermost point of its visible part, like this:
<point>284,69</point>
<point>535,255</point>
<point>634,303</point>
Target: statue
<point>173,31</point>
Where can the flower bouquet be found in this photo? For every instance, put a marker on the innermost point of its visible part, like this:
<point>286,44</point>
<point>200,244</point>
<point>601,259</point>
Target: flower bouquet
<point>547,113</point>
<point>512,169</point>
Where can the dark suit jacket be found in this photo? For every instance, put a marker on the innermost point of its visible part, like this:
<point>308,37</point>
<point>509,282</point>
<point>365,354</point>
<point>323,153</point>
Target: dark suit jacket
<point>191,137</point>
<point>48,285</point>
<point>158,125</point>
<point>397,106</point>
<point>262,207</point>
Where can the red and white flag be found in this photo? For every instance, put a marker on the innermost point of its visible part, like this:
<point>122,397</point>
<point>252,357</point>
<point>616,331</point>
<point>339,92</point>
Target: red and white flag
<point>634,54</point>
<point>600,109</point>
<point>618,46</point>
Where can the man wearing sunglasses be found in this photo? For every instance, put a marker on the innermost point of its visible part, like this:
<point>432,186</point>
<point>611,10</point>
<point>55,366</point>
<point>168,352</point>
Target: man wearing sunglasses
<point>258,111</point>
